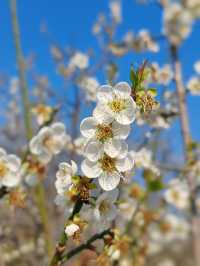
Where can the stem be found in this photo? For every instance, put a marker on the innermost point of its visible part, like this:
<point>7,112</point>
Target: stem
<point>186,141</point>
<point>40,193</point>
<point>21,69</point>
<point>86,245</point>
<point>40,201</point>
<point>60,248</point>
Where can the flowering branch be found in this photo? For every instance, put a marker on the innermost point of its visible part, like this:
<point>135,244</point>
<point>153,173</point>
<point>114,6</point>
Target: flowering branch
<point>60,248</point>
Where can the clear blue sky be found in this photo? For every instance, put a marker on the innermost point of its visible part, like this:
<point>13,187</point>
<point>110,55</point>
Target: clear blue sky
<point>70,22</point>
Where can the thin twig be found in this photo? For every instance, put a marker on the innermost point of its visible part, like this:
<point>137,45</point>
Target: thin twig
<point>86,245</point>
<point>39,191</point>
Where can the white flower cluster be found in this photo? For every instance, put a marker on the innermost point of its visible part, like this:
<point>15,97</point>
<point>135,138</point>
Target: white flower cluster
<point>106,151</point>
<point>89,85</point>
<point>10,166</point>
<point>162,75</point>
<point>177,194</point>
<point>177,22</point>
<point>143,159</point>
<point>79,60</point>
<point>142,41</point>
<point>50,140</point>
<point>193,84</point>
<point>115,8</point>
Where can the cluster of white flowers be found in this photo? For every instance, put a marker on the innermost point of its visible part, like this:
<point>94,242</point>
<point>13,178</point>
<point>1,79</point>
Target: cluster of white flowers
<point>50,140</point>
<point>89,85</point>
<point>177,22</point>
<point>115,8</point>
<point>177,194</point>
<point>106,151</point>
<point>193,84</point>
<point>162,75</point>
<point>174,231</point>
<point>10,166</point>
<point>79,60</point>
<point>143,159</point>
<point>142,41</point>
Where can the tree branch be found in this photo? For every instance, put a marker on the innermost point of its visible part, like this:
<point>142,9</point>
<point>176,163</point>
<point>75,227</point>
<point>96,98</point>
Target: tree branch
<point>60,248</point>
<point>181,93</point>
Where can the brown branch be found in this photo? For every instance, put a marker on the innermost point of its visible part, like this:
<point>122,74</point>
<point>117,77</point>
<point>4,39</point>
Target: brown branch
<point>181,93</point>
<point>60,248</point>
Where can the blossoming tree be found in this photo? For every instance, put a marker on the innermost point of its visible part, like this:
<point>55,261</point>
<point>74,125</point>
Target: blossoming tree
<point>88,175</point>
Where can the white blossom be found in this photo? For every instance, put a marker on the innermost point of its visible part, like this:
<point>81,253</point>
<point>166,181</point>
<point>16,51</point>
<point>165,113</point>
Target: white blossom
<point>193,86</point>
<point>49,141</point>
<point>79,60</point>
<point>177,22</point>
<point>177,194</point>
<point>71,229</point>
<point>108,170</point>
<point>105,209</point>
<point>115,8</point>
<point>104,137</point>
<point>64,176</point>
<point>115,103</point>
<point>9,169</point>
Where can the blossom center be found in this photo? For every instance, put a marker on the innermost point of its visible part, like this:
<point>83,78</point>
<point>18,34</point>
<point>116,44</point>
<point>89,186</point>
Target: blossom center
<point>117,105</point>
<point>107,163</point>
<point>3,169</point>
<point>104,132</point>
<point>49,142</point>
<point>104,207</point>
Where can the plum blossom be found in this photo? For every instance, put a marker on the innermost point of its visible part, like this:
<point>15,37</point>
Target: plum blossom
<point>10,166</point>
<point>71,229</point>
<point>177,194</point>
<point>108,170</point>
<point>104,137</point>
<point>49,141</point>
<point>105,209</point>
<point>64,176</point>
<point>193,86</point>
<point>79,60</point>
<point>89,85</point>
<point>115,103</point>
<point>177,23</point>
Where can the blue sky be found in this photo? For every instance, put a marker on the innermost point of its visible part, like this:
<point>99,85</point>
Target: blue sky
<point>70,22</point>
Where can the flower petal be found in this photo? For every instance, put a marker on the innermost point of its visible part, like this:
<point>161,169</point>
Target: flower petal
<point>122,89</point>
<point>112,147</point>
<point>2,152</point>
<point>88,127</point>
<point>109,181</point>
<point>91,169</point>
<point>13,162</point>
<point>35,145</point>
<point>94,151</point>
<point>11,180</point>
<point>127,116</point>
<point>125,164</point>
<point>104,93</point>
<point>123,150</point>
<point>101,115</point>
<point>58,128</point>
<point>120,131</point>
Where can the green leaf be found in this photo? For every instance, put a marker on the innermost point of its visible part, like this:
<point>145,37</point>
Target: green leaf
<point>155,185</point>
<point>132,75</point>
